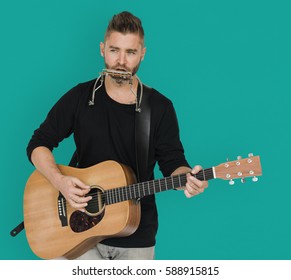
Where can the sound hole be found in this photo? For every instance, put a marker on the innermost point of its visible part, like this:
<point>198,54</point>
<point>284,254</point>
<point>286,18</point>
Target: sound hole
<point>96,204</point>
<point>94,212</point>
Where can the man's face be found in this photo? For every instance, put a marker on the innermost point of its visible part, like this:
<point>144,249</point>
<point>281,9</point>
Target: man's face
<point>123,52</point>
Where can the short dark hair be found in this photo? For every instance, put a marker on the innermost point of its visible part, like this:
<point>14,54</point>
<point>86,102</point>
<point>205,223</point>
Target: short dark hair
<point>125,23</point>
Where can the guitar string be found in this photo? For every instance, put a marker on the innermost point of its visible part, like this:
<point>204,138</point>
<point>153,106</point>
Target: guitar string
<point>150,185</point>
<point>117,194</point>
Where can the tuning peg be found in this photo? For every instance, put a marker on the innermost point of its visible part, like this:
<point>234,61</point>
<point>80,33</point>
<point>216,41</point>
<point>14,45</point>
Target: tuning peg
<point>250,154</point>
<point>239,157</point>
<point>243,180</point>
<point>231,182</point>
<point>255,179</point>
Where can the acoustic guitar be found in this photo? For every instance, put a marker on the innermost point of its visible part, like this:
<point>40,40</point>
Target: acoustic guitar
<point>55,229</point>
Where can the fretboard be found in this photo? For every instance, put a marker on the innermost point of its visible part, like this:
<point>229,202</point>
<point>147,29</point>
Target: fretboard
<point>140,190</point>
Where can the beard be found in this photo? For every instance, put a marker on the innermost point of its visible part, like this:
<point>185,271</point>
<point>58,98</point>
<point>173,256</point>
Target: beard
<point>122,68</point>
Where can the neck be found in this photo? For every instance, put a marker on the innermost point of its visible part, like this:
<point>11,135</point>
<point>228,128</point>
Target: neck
<point>139,190</point>
<point>121,92</point>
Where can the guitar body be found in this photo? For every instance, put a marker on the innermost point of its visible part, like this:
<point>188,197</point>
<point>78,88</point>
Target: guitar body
<point>50,239</point>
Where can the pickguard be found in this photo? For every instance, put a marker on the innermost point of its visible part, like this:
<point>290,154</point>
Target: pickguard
<point>80,221</point>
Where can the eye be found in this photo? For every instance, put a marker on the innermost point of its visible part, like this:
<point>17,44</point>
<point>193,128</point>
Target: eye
<point>131,52</point>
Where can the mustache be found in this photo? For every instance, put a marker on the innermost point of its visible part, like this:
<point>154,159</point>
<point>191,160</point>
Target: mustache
<point>120,67</point>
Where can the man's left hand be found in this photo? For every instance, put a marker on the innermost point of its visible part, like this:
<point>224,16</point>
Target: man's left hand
<point>194,186</point>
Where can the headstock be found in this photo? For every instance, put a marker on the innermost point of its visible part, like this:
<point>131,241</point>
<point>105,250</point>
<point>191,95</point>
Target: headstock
<point>240,168</point>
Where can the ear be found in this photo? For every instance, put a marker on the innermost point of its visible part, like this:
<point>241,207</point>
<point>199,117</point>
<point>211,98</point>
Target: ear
<point>102,49</point>
<point>143,52</point>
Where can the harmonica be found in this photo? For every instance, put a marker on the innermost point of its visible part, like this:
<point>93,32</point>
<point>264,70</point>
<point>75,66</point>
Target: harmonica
<point>117,74</point>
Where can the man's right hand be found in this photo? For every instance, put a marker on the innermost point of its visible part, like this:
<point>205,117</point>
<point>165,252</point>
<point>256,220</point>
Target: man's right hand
<point>74,191</point>
<point>72,188</point>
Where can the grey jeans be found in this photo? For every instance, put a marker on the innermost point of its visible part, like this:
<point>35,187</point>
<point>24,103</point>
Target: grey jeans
<point>104,252</point>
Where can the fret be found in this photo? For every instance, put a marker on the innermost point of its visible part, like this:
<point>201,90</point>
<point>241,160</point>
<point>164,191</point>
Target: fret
<point>113,196</point>
<point>118,193</point>
<point>107,197</point>
<point>169,183</point>
<point>208,174</point>
<point>134,191</point>
<point>198,175</point>
<point>107,200</point>
<point>122,194</point>
<point>143,188</point>
<point>110,196</point>
<point>126,195</point>
<point>184,179</point>
<point>164,184</point>
<point>154,186</point>
<point>176,182</point>
<point>179,176</point>
<point>139,190</point>
<point>149,187</point>
<point>129,188</point>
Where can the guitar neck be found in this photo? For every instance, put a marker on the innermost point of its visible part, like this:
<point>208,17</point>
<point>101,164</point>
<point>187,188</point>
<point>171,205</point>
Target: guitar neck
<point>140,190</point>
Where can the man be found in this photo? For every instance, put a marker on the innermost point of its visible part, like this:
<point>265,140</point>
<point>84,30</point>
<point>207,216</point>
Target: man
<point>102,118</point>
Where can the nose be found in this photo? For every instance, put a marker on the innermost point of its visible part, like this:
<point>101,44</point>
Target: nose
<point>122,58</point>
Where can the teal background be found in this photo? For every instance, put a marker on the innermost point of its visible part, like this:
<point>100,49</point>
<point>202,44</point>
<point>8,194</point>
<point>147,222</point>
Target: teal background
<point>225,65</point>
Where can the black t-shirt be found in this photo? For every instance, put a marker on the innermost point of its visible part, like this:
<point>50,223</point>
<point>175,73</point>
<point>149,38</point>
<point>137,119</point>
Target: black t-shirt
<point>105,131</point>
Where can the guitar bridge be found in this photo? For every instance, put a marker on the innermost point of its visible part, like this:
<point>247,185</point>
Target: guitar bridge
<point>62,210</point>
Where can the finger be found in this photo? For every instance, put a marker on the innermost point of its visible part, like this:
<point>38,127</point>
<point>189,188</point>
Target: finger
<point>192,181</point>
<point>78,202</point>
<point>78,206</point>
<point>81,184</point>
<point>78,187</point>
<point>75,190</point>
<point>194,189</point>
<point>80,199</point>
<point>189,192</point>
<point>196,169</point>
